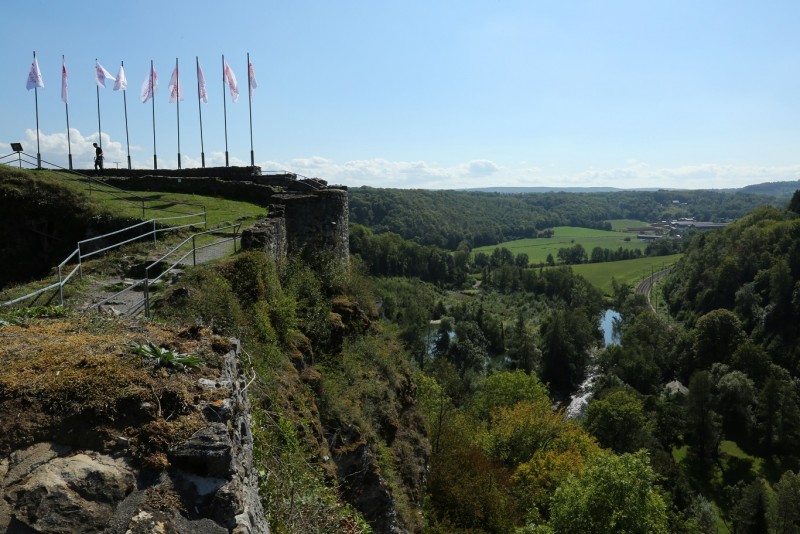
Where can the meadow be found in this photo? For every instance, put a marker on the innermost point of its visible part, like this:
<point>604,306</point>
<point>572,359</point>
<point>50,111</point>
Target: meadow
<point>565,237</point>
<point>625,271</point>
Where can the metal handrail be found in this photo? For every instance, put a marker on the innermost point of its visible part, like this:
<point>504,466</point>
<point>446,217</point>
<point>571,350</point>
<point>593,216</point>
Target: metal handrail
<point>194,259</point>
<point>146,281</point>
<point>79,267</point>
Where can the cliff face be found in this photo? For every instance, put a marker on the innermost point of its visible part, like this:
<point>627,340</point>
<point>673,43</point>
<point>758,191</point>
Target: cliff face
<point>98,440</point>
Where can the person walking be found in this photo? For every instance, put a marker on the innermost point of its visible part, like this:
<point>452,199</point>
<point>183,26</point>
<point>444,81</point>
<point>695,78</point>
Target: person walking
<point>98,157</point>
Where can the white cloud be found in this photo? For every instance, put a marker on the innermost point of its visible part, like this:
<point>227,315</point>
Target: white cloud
<point>56,147</point>
<point>379,172</point>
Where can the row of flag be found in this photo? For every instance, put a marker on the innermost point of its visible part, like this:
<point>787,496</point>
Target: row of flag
<point>150,84</point>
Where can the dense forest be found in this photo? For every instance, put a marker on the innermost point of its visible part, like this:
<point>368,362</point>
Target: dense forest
<point>694,420</point>
<point>446,218</point>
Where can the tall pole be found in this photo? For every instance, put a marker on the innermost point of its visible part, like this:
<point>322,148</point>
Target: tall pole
<point>36,101</point>
<point>153,98</point>
<point>178,92</point>
<point>250,108</point>
<point>200,111</point>
<point>99,130</point>
<point>66,108</point>
<point>125,104</point>
<point>225,109</point>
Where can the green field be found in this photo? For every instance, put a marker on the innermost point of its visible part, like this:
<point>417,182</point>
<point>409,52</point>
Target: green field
<point>621,225</point>
<point>565,237</point>
<point>625,271</point>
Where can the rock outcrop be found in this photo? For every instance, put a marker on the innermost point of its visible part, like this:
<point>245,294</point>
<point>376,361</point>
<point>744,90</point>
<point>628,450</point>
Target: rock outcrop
<point>207,484</point>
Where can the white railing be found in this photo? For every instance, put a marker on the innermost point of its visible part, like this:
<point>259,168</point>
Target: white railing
<point>147,282</point>
<point>62,279</point>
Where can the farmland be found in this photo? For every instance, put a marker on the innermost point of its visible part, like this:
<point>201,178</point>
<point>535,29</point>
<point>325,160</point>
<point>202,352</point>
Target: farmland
<point>567,236</point>
<point>625,271</point>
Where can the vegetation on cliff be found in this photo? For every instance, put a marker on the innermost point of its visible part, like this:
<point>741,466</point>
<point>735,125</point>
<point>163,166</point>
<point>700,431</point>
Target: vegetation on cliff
<point>339,439</point>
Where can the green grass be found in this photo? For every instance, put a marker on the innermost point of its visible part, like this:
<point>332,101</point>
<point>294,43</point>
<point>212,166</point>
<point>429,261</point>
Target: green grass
<point>625,271</point>
<point>679,453</point>
<point>565,237</point>
<point>219,211</point>
<point>622,225</point>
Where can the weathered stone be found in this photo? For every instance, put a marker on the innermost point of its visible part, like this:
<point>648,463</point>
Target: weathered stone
<point>210,486</point>
<point>71,494</point>
<point>207,452</point>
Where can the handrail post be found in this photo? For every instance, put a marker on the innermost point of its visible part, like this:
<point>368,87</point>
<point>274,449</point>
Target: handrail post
<point>146,292</point>
<point>154,232</point>
<point>60,287</point>
<point>194,251</point>
<point>80,262</point>
<point>205,219</point>
<point>142,208</point>
<point>235,234</point>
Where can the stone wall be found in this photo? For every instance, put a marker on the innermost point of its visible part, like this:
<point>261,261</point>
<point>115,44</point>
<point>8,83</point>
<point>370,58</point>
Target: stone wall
<point>209,186</point>
<point>209,486</point>
<point>317,222</point>
<point>268,234</point>
<point>304,216</point>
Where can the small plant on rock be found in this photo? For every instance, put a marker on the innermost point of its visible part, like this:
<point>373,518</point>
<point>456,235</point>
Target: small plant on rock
<point>163,357</point>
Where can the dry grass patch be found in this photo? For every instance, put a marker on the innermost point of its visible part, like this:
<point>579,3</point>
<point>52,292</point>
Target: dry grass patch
<point>73,381</point>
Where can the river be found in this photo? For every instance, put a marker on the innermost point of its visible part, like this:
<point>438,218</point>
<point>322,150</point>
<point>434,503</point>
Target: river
<point>580,399</point>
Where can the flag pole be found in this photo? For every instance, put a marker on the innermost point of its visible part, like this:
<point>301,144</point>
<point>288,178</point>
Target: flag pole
<point>36,100</point>
<point>200,111</point>
<point>153,98</point>
<point>250,108</point>
<point>97,88</point>
<point>178,107</point>
<point>66,108</point>
<point>225,110</point>
<point>125,104</point>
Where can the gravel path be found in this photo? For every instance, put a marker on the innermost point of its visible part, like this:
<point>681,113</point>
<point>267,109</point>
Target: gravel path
<point>125,296</point>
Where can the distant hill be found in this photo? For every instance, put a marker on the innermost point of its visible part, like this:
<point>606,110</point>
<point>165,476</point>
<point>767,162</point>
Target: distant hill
<point>773,189</point>
<point>514,190</point>
<point>446,218</point>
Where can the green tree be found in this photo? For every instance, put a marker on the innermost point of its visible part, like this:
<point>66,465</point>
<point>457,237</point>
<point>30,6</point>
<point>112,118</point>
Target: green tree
<point>717,336</point>
<point>794,204</point>
<point>618,421</point>
<point>704,424</point>
<point>505,389</point>
<point>614,494</point>
<point>566,338</point>
<point>736,396</point>
<point>787,514</point>
<point>749,513</point>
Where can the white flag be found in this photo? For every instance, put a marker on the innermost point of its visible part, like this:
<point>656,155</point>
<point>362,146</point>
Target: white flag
<point>201,84</point>
<point>101,75</point>
<point>64,95</point>
<point>150,86</point>
<point>231,79</point>
<point>253,83</point>
<point>122,81</point>
<point>34,76</point>
<point>175,87</point>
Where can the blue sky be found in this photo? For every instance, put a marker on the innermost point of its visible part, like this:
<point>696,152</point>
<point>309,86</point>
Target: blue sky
<point>428,94</point>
